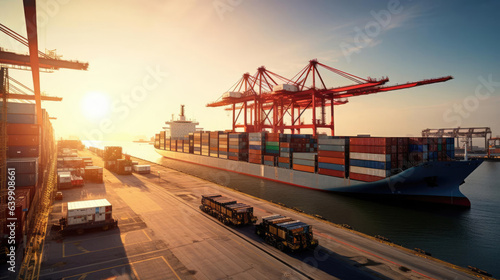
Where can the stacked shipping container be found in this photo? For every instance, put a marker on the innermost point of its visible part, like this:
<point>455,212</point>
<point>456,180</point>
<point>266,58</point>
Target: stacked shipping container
<point>359,158</point>
<point>284,159</point>
<point>305,161</point>
<point>238,146</point>
<point>197,143</point>
<point>256,144</point>
<point>29,150</point>
<point>332,156</point>
<point>272,148</point>
<point>214,143</point>
<point>370,157</point>
<point>205,143</point>
<point>223,145</point>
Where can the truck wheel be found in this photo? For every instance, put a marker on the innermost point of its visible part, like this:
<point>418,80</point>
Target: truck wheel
<point>268,240</point>
<point>280,246</point>
<point>80,231</point>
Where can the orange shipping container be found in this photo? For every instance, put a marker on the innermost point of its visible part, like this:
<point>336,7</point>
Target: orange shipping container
<point>303,168</point>
<point>22,140</point>
<point>284,159</point>
<point>22,129</point>
<point>284,145</point>
<point>331,160</point>
<point>269,158</point>
<point>255,152</point>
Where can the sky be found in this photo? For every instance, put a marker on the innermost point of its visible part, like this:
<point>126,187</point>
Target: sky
<point>148,57</point>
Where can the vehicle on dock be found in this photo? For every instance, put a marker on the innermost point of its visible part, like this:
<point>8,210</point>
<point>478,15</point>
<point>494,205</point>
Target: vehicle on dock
<point>227,210</point>
<point>286,233</point>
<point>89,214</point>
<point>59,196</point>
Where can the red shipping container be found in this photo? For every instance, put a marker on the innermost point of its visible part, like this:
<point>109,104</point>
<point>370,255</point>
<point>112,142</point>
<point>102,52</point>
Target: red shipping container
<point>364,177</point>
<point>371,149</point>
<point>24,193</point>
<point>332,160</point>
<point>273,134</point>
<point>332,154</point>
<point>284,145</point>
<point>334,173</point>
<point>373,141</point>
<point>305,168</point>
<point>234,150</point>
<point>31,191</point>
<point>22,140</point>
<point>22,129</point>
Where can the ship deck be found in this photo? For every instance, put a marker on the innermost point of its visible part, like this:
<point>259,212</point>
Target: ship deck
<point>163,234</point>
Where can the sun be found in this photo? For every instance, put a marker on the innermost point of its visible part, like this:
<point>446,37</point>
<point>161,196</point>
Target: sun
<point>95,105</point>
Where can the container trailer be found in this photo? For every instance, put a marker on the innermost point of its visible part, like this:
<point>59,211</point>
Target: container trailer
<point>227,210</point>
<point>89,214</point>
<point>286,233</point>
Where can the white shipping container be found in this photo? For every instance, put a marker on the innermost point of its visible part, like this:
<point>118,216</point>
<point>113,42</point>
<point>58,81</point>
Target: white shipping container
<point>231,94</point>
<point>373,157</point>
<point>64,177</point>
<point>286,87</point>
<point>306,156</point>
<point>128,168</point>
<point>370,171</point>
<point>100,217</point>
<point>142,168</point>
<point>77,220</point>
<point>88,207</point>
<point>329,141</point>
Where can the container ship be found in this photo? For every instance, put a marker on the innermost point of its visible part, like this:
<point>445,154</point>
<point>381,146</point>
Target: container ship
<point>407,168</point>
<point>266,104</point>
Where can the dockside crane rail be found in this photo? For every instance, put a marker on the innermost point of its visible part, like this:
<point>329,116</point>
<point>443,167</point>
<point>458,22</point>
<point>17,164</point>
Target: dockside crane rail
<point>268,101</point>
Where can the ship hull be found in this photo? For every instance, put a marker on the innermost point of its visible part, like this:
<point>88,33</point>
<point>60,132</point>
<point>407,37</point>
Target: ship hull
<point>433,182</point>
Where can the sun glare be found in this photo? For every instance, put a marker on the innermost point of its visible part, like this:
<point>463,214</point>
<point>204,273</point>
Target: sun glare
<point>95,105</point>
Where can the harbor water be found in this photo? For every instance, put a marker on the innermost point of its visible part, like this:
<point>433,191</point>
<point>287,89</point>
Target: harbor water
<point>462,237</point>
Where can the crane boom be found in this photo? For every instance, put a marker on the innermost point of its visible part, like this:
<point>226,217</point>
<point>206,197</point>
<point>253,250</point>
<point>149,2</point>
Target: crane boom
<point>258,96</point>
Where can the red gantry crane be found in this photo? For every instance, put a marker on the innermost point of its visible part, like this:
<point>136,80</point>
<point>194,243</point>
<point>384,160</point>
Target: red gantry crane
<point>267,100</point>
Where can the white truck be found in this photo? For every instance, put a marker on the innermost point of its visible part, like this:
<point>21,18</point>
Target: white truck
<point>87,214</point>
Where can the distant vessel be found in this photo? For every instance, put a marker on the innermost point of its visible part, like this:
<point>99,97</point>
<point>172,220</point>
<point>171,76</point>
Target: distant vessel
<point>419,169</point>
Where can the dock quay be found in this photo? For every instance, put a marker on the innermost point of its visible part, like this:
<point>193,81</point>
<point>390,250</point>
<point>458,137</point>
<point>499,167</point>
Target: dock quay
<point>162,234</point>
